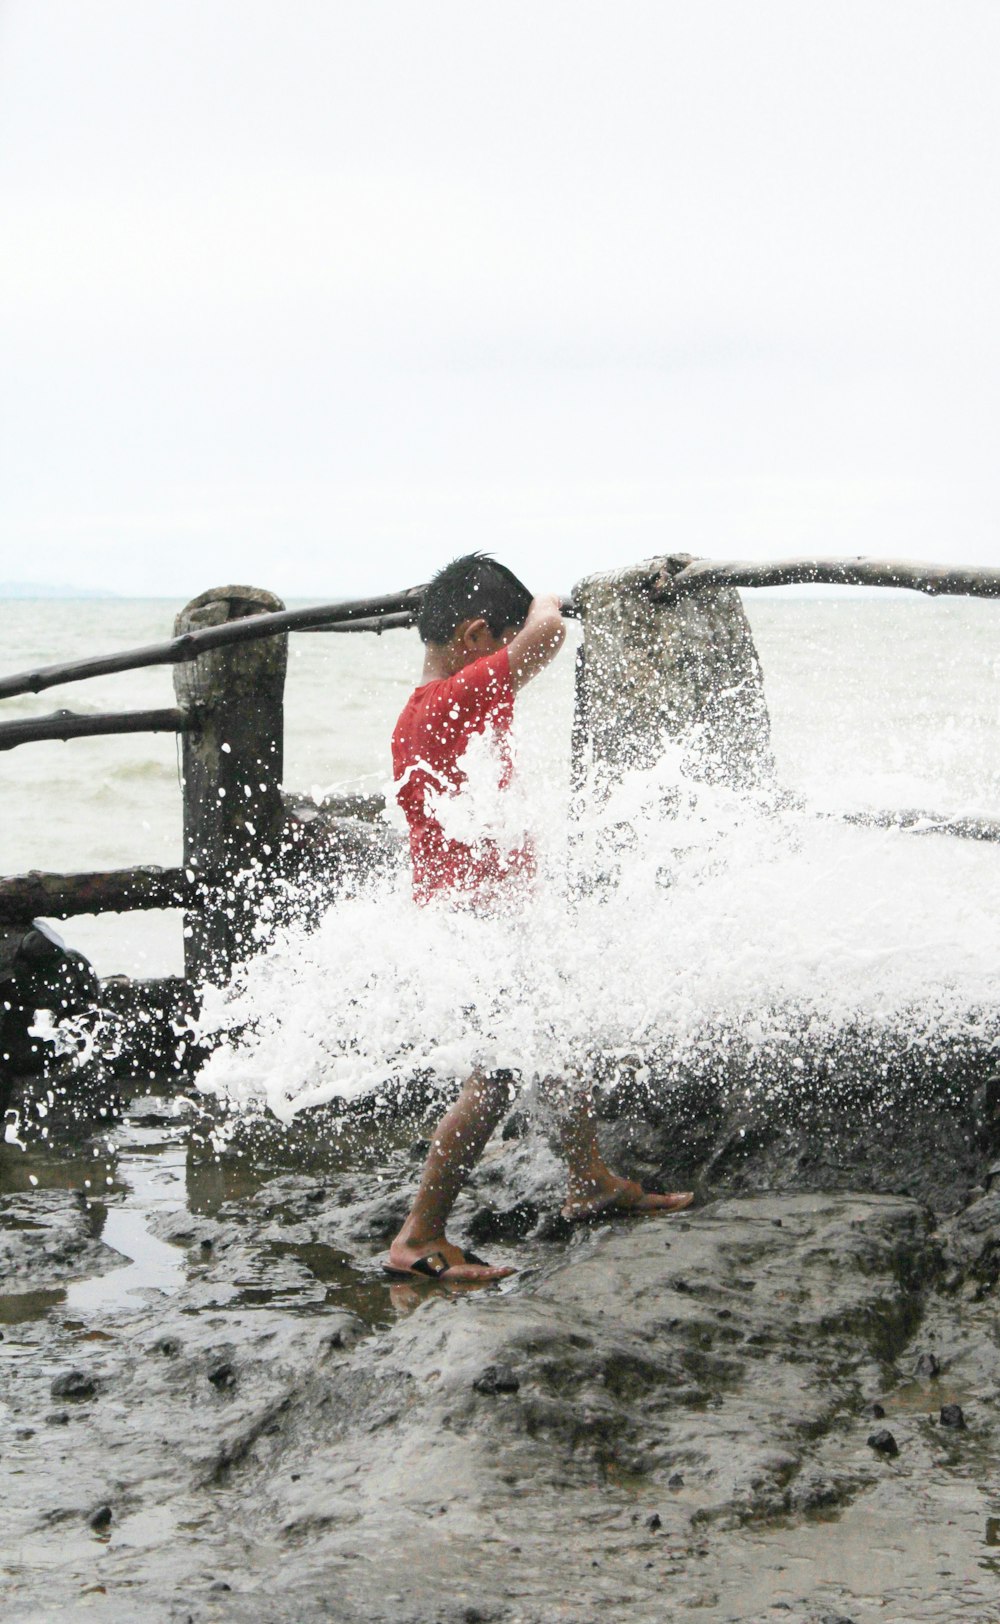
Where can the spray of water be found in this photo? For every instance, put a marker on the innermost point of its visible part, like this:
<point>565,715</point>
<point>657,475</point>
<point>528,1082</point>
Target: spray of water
<point>669,921</point>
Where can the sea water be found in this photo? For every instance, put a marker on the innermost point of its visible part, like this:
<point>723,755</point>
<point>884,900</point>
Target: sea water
<point>644,932</point>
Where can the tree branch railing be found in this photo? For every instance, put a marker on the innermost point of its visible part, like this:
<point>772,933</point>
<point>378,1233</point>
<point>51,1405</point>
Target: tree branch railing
<point>189,645</point>
<point>937,580</point>
<point>371,623</point>
<point>925,823</point>
<point>64,724</point>
<point>24,897</point>
<point>391,611</point>
<point>396,610</point>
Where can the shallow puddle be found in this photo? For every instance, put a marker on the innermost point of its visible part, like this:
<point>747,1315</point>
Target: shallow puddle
<point>151,1176</point>
<point>18,1306</point>
<point>147,1170</point>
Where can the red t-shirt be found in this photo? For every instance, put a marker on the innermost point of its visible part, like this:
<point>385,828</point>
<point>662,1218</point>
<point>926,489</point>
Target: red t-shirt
<point>428,741</point>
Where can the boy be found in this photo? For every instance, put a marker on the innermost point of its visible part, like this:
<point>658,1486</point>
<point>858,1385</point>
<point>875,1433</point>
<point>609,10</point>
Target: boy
<point>485,636</point>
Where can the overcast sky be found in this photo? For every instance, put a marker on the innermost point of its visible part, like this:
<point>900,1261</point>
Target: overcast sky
<point>317,294</point>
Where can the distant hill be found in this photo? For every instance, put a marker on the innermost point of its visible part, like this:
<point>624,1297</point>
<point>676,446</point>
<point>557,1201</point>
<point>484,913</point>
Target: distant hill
<point>48,589</point>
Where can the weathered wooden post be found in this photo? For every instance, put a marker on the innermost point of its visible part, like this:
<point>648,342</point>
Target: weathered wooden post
<point>232,770</point>
<point>655,667</point>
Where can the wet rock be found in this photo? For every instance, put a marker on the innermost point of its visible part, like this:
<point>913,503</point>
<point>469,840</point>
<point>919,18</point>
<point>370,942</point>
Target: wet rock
<point>47,1237</point>
<point>345,1334</point>
<point>613,1372</point>
<point>854,1115</point>
<point>554,1229</point>
<point>952,1416</point>
<point>817,1491</point>
<point>73,1384</point>
<point>632,1145</point>
<point>336,1438</point>
<point>987,1100</point>
<point>319,842</point>
<point>37,971</point>
<point>145,1018</point>
<point>883,1442</point>
<point>157,1110</point>
<point>377,1220</point>
<point>497,1379</point>
<point>972,1242</point>
<point>186,1228</point>
<point>512,1224</point>
<point>517,1125</point>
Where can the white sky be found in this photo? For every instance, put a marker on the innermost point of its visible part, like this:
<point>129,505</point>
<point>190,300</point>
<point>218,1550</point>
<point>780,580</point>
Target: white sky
<point>317,294</point>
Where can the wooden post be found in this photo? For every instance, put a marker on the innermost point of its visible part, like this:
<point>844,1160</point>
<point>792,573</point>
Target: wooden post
<point>232,770</point>
<point>652,669</point>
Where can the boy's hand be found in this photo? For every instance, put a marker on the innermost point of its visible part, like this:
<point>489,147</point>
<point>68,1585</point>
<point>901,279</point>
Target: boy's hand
<point>539,641</point>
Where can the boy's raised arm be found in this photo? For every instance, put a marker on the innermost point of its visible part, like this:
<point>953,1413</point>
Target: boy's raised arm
<point>539,641</point>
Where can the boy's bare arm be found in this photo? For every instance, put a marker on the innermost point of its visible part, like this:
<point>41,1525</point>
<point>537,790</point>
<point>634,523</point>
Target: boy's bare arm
<point>539,641</point>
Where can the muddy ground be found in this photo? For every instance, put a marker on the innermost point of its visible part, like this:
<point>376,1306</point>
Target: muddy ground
<point>781,1406</point>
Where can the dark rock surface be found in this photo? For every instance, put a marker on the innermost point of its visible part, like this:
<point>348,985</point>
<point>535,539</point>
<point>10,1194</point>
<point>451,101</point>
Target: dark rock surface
<point>668,1417</point>
<point>884,1442</point>
<point>37,971</point>
<point>48,1237</point>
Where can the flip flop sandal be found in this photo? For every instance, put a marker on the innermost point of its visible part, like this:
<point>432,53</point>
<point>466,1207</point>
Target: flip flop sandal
<point>434,1266</point>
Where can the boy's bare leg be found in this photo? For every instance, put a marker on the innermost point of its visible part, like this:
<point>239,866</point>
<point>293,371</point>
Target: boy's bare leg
<point>593,1188</point>
<point>459,1140</point>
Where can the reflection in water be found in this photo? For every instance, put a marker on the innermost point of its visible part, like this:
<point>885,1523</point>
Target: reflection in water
<point>150,1173</point>
<point>154,1182</point>
<point>16,1307</point>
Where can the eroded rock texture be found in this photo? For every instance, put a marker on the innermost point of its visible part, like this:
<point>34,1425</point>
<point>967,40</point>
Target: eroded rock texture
<point>671,1416</point>
<point>685,670</point>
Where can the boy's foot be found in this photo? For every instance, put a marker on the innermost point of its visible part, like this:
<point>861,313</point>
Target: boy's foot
<point>443,1262</point>
<point>626,1197</point>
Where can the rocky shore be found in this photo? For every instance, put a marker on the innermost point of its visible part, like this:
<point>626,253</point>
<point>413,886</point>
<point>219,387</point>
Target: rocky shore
<point>779,1406</point>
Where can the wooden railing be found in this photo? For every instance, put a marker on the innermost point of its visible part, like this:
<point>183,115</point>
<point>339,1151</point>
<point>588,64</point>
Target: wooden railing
<point>397,608</point>
<point>229,654</point>
<point>937,580</point>
<point>64,724</point>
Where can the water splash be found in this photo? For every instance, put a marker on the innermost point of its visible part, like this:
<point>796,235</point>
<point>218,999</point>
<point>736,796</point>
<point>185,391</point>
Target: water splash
<point>669,920</point>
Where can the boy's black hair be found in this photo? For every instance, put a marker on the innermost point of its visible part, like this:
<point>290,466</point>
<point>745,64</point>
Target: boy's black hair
<point>473,587</point>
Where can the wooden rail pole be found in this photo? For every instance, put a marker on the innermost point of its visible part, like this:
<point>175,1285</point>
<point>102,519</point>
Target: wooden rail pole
<point>232,770</point>
<point>63,724</point>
